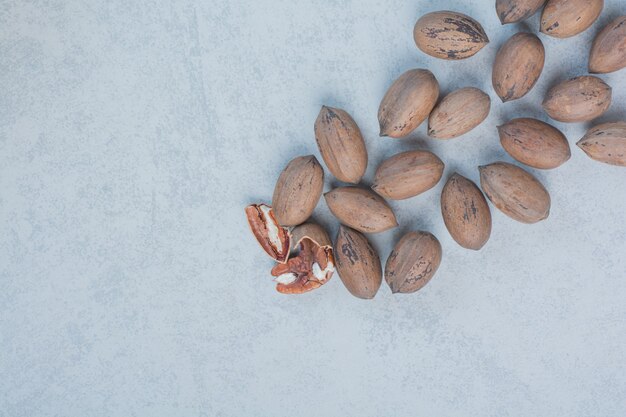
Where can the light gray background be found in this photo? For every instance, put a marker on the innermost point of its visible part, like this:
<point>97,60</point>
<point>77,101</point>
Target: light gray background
<point>132,135</point>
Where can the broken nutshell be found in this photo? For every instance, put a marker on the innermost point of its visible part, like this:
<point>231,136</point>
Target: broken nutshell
<point>307,270</point>
<point>273,238</point>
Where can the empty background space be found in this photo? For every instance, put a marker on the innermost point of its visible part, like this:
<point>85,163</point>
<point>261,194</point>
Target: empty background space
<point>133,134</point>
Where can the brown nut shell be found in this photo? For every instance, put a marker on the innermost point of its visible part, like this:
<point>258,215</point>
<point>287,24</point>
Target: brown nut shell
<point>608,52</point>
<point>515,192</point>
<point>458,113</point>
<point>341,144</point>
<point>534,143</point>
<point>361,209</point>
<point>579,99</point>
<point>358,264</point>
<point>413,262</point>
<point>311,268</point>
<point>518,66</point>
<point>606,143</point>
<point>512,11</point>
<point>298,189</point>
<point>565,18</point>
<point>465,212</point>
<point>407,103</point>
<point>449,35</point>
<point>313,231</point>
<point>273,238</point>
<point>407,174</point>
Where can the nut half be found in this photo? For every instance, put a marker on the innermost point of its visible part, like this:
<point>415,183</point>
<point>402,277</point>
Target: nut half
<point>273,238</point>
<point>311,268</point>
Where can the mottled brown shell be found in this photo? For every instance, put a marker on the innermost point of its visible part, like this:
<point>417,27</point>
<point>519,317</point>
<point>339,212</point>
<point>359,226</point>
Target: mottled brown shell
<point>358,263</point>
<point>458,113</point>
<point>407,174</point>
<point>465,212</point>
<point>298,190</point>
<point>606,143</point>
<point>565,18</point>
<point>413,262</point>
<point>407,103</point>
<point>341,144</point>
<point>608,53</point>
<point>360,209</point>
<point>579,99</point>
<point>512,11</point>
<point>449,35</point>
<point>534,143</point>
<point>515,192</point>
<point>518,66</point>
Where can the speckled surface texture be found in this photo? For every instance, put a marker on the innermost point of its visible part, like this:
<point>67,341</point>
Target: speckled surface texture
<point>132,134</point>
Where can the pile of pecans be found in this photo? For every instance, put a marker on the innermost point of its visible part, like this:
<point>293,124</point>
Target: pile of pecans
<point>304,254</point>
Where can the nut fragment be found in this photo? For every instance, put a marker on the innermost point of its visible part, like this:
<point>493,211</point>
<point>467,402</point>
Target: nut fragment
<point>358,264</point>
<point>458,113</point>
<point>360,209</point>
<point>606,143</point>
<point>579,99</point>
<point>407,103</point>
<point>511,11</point>
<point>413,262</point>
<point>565,18</point>
<point>407,174</point>
<point>608,53</point>
<point>311,268</point>
<point>518,66</point>
<point>515,192</point>
<point>298,190</point>
<point>449,35</point>
<point>273,238</point>
<point>534,143</point>
<point>341,144</point>
<point>465,212</point>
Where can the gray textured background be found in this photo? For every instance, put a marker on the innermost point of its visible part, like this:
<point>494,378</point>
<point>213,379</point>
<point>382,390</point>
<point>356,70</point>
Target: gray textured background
<point>132,134</point>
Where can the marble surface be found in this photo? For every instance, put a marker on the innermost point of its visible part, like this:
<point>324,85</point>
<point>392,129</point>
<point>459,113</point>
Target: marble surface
<point>132,134</point>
